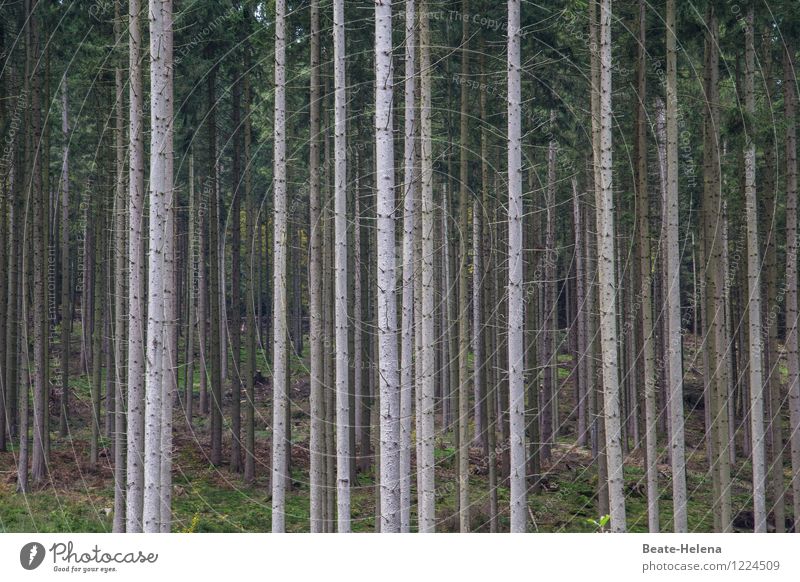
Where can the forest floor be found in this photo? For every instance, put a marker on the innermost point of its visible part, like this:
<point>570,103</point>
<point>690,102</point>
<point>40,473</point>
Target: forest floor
<point>78,498</point>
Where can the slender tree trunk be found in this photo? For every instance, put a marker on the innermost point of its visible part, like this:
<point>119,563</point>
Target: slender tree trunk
<point>754,291</point>
<point>280,372</point>
<point>549,362</point>
<point>606,278</point>
<point>214,260</point>
<point>792,356</point>
<point>66,312</point>
<point>516,385</point>
<point>407,325</point>
<point>159,269</point>
<point>40,405</point>
<point>386,276</point>
<point>317,442</point>
<point>235,318</point>
<point>136,279</point>
<point>340,225</point>
<point>463,282</point>
<point>772,381</point>
<point>191,295</point>
<point>646,278</point>
<point>98,318</point>
<point>120,335</point>
<point>252,255</point>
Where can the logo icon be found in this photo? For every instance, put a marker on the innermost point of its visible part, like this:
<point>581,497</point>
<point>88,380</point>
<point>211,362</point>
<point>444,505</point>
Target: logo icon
<point>31,555</point>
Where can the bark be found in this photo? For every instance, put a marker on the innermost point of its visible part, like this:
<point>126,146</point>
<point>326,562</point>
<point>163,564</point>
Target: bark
<point>120,335</point>
<point>136,279</point>
<point>252,256</point>
<point>214,261</point>
<point>714,321</point>
<point>386,276</point>
<point>772,381</point>
<point>235,318</point>
<point>317,442</point>
<point>426,354</point>
<point>159,270</point>
<point>280,372</point>
<point>340,284</point>
<point>463,283</point>
<point>549,408</point>
<point>646,279</point>
<point>516,387</point>
<point>407,325</point>
<point>677,442</point>
<point>754,291</point>
<point>606,278</point>
<point>792,356</point>
<point>66,313</point>
<point>191,295</point>
<point>40,337</point>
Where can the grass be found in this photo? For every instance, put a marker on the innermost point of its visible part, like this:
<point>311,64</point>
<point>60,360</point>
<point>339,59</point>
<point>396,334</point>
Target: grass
<point>79,498</point>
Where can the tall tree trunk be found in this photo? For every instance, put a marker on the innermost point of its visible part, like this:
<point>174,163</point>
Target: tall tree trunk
<point>159,269</point>
<point>772,381</point>
<point>280,371</point>
<point>516,383</point>
<point>317,442</point>
<point>646,278</point>
<point>235,318</point>
<point>606,278</point>
<point>252,256</point>
<point>549,408</point>
<point>120,335</point>
<point>386,276</point>
<point>426,356</point>
<point>66,312</point>
<point>191,295</point>
<point>40,405</point>
<point>136,279</point>
<point>715,286</point>
<point>340,284</point>
<point>98,318</point>
<point>792,356</point>
<point>677,442</point>
<point>754,289</point>
<point>214,260</point>
<point>463,282</point>
<point>407,325</point>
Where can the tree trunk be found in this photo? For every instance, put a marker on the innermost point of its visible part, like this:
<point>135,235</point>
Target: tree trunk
<point>317,442</point>
<point>252,256</point>
<point>386,276</point>
<point>214,260</point>
<point>516,385</point>
<point>754,290</point>
<point>120,335</point>
<point>136,280</point>
<point>407,325</point>
<point>66,312</point>
<point>606,278</point>
<point>40,404</point>
<point>792,356</point>
<point>235,317</point>
<point>463,282</point>
<point>280,372</point>
<point>342,376</point>
<point>159,268</point>
<point>646,278</point>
